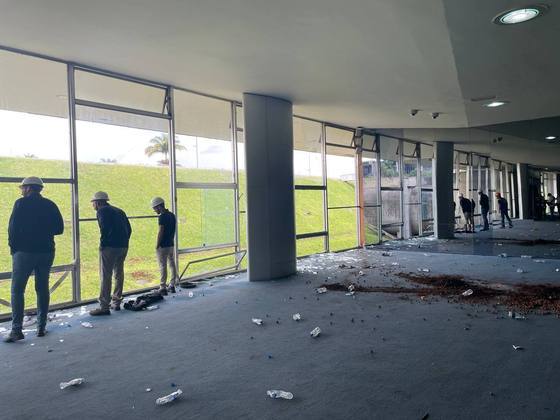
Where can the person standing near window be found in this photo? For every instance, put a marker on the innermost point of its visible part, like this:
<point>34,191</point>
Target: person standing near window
<point>503,207</point>
<point>115,232</point>
<point>165,244</point>
<point>34,222</point>
<point>484,209</point>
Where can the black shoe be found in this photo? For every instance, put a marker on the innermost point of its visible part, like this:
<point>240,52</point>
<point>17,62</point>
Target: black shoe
<point>41,332</point>
<point>14,336</point>
<point>99,311</point>
<point>171,289</point>
<point>116,306</point>
<point>163,291</point>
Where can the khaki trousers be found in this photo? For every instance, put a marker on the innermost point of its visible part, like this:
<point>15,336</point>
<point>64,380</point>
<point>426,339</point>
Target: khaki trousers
<point>111,260</point>
<point>166,256</point>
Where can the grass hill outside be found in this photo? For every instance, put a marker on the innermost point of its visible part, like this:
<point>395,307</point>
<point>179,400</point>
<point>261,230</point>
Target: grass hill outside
<point>205,217</point>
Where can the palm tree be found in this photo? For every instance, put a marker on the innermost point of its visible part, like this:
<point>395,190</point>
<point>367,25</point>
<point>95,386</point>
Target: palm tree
<point>160,145</point>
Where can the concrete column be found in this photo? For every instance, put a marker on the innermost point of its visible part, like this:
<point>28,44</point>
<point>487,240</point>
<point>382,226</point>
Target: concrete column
<point>271,235</point>
<point>444,217</point>
<point>523,190</point>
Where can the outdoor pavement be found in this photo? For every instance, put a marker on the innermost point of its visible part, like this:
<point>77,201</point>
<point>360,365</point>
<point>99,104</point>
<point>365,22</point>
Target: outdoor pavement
<point>379,356</point>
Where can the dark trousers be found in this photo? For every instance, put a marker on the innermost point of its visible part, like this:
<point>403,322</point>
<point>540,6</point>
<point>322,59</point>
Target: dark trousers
<point>505,216</point>
<point>485,219</point>
<point>23,264</point>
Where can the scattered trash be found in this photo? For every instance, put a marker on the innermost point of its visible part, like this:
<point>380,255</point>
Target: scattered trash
<point>3,330</point>
<point>257,321</point>
<point>517,347</point>
<point>426,416</point>
<point>28,321</point>
<point>191,294</point>
<point>86,324</point>
<point>503,255</point>
<point>394,263</point>
<point>148,389</point>
<point>519,270</point>
<point>73,382</point>
<point>467,292</point>
<point>351,288</point>
<point>539,261</point>
<point>424,270</point>
<point>557,270</point>
<point>361,273</point>
<point>274,393</point>
<point>386,254</point>
<point>168,398</point>
<point>514,315</point>
<point>526,256</point>
<point>61,340</point>
<point>152,307</point>
<point>315,332</point>
<point>350,293</point>
<point>321,290</point>
<point>296,317</point>
<point>345,266</point>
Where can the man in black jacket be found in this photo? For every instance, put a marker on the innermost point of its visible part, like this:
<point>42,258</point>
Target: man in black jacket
<point>503,207</point>
<point>115,234</point>
<point>466,208</point>
<point>34,222</point>
<point>484,208</point>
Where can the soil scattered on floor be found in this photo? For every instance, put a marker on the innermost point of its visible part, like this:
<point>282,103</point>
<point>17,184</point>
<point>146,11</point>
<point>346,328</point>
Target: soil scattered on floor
<point>541,298</point>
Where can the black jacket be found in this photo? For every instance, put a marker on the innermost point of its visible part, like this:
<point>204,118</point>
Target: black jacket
<point>34,222</point>
<point>114,227</point>
<point>484,202</point>
<point>466,205</point>
<point>502,205</point>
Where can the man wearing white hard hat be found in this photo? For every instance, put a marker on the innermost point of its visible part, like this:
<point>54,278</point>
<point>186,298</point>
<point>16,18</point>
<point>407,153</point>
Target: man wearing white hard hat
<point>115,232</point>
<point>34,222</point>
<point>165,244</point>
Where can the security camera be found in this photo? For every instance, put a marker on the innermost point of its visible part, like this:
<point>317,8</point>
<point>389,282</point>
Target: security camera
<point>435,115</point>
<point>413,112</point>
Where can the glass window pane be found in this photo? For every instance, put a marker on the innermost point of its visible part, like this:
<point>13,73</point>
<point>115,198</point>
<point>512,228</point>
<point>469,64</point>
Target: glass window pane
<point>109,90</point>
<point>391,205</point>
<point>409,149</point>
<point>197,267</point>
<point>390,167</point>
<point>129,163</point>
<point>343,229</point>
<point>427,171</point>
<point>341,176</point>
<point>308,163</point>
<point>339,136</point>
<point>34,139</point>
<point>427,205</point>
<point>310,246</point>
<point>371,220</point>
<point>203,140</point>
<point>205,217</point>
<point>309,211</point>
<point>370,174</point>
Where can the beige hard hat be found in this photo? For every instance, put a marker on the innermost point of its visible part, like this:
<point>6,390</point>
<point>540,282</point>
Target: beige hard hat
<point>156,201</point>
<point>32,180</point>
<point>100,196</point>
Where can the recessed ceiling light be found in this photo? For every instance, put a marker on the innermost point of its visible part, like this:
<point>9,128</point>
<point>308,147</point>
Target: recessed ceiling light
<point>523,14</point>
<point>495,104</point>
<point>550,138</point>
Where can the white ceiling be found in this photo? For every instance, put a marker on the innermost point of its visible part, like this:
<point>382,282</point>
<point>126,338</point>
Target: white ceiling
<point>357,62</point>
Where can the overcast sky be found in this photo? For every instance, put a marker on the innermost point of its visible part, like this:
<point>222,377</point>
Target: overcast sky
<point>47,138</point>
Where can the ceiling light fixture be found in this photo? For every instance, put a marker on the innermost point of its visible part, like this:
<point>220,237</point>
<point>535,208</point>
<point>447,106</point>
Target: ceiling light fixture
<point>495,104</point>
<point>550,138</point>
<point>522,14</point>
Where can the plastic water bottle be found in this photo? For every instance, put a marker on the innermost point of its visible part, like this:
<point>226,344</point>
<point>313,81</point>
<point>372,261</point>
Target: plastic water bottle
<point>168,398</point>
<point>322,290</point>
<point>73,382</point>
<point>315,332</point>
<point>86,324</point>
<point>275,393</point>
<point>152,308</point>
<point>257,321</point>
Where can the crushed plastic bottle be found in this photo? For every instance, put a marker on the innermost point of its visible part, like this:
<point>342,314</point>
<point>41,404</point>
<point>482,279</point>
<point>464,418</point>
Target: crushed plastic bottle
<point>152,307</point>
<point>321,290</point>
<point>296,317</point>
<point>394,263</point>
<point>351,288</point>
<point>517,347</point>
<point>257,321</point>
<point>73,382</point>
<point>350,293</point>
<point>519,270</point>
<point>424,270</point>
<point>191,294</point>
<point>168,398</point>
<point>275,393</point>
<point>315,332</point>
<point>86,324</point>
<point>467,292</point>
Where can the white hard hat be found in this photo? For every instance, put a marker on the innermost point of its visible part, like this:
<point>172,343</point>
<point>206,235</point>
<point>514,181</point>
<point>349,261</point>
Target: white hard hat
<point>156,201</point>
<point>100,196</point>
<point>32,180</point>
